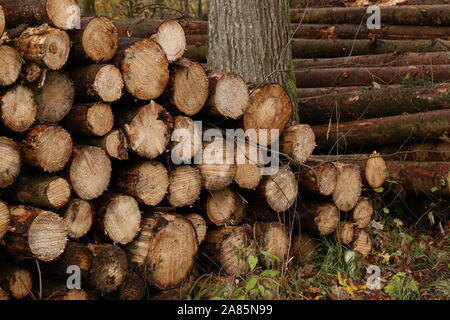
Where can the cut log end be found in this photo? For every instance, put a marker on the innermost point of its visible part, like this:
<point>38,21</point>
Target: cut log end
<point>249,160</point>
<point>273,237</point>
<point>58,193</point>
<point>229,95</point>
<point>17,281</point>
<point>225,207</point>
<point>200,226</point>
<point>298,142</point>
<point>4,219</point>
<point>348,187</point>
<point>303,247</point>
<point>10,64</point>
<point>322,178</point>
<point>90,172</point>
<point>116,145</point>
<point>189,88</point>
<point>47,147</point>
<point>100,40</point>
<point>375,171</point>
<point>78,218</point>
<point>362,243</point>
<point>18,109</point>
<point>185,186</point>
<point>2,21</point>
<point>363,212</point>
<point>55,98</point>
<point>145,69</point>
<point>56,48</point>
<point>64,14</point>
<point>47,236</point>
<point>184,137</point>
<point>10,162</point>
<point>170,36</point>
<point>280,189</point>
<point>326,218</point>
<point>121,218</point>
<point>345,232</point>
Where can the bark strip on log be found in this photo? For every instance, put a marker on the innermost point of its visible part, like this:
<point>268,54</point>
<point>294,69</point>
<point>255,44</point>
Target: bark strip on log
<point>115,144</point>
<point>428,151</point>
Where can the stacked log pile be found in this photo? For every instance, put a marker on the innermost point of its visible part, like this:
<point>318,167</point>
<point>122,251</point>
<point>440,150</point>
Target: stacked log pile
<point>99,169</point>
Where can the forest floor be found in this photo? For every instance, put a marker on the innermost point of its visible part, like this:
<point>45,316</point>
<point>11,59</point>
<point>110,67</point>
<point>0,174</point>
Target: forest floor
<point>413,260</point>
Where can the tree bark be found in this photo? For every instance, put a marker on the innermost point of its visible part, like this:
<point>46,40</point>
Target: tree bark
<point>342,77</point>
<point>259,35</point>
<point>427,151</point>
<point>114,143</point>
<point>62,14</point>
<point>383,131</point>
<point>200,226</point>
<point>367,104</point>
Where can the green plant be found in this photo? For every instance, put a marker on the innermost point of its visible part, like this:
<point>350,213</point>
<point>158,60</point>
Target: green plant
<point>403,287</point>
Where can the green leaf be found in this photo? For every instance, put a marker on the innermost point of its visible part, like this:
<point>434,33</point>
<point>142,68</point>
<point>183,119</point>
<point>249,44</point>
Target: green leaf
<point>270,273</point>
<point>379,190</point>
<point>386,210</point>
<point>270,255</point>
<point>251,283</point>
<point>261,289</point>
<point>254,292</point>
<point>217,298</point>
<point>252,262</point>
<point>434,189</point>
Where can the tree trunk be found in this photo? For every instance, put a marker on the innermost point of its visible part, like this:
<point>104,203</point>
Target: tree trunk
<point>298,142</point>
<point>47,148</point>
<point>409,15</point>
<point>90,119</point>
<point>259,35</point>
<point>78,217</point>
<point>184,187</point>
<point>383,131</point>
<point>10,64</point>
<point>18,109</point>
<point>342,77</point>
<point>114,143</point>
<point>428,151</point>
<point>225,208</point>
<point>421,177</point>
<point>89,7</point>
<point>62,14</point>
<point>374,103</point>
<point>10,162</point>
<point>377,60</point>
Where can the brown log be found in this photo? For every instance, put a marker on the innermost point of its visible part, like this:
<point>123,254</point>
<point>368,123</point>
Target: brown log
<point>144,67</point>
<point>118,217</point>
<point>10,162</point>
<point>315,92</point>
<point>185,140</point>
<point>143,28</point>
<point>421,177</point>
<point>36,233</point>
<point>280,189</point>
<point>341,77</point>
<point>133,288</point>
<point>362,242</point>
<point>185,186</point>
<point>200,226</point>
<point>373,166</point>
<point>60,292</point>
<point>319,218</point>
<point>420,206</point>
<point>345,232</point>
<point>319,177</point>
<point>249,163</point>
<point>383,131</point>
<point>62,14</point>
<point>172,246</point>
<point>4,219</point>
<point>217,168</point>
<point>78,217</point>
<point>2,21</point>
<point>303,247</point>
<point>148,129</point>
<point>273,238</point>
<point>95,41</point>
<point>229,247</point>
<point>348,187</point>
<point>182,292</point>
<point>3,295</point>
<point>270,110</point>
<point>147,181</point>
<point>225,208</point>
<point>188,87</point>
<point>90,119</point>
<point>114,143</point>
<point>89,172</point>
<point>196,53</point>
<point>298,142</point>
<point>50,192</point>
<point>378,60</point>
<point>16,281</point>
<point>170,36</point>
<point>98,82</point>
<point>362,213</point>
<point>17,109</point>
<point>228,95</point>
<point>427,151</point>
<point>45,46</point>
<point>10,64</point>
<point>109,268</point>
<point>47,147</point>
<point>361,3</point>
<point>408,15</point>
<point>75,254</point>
<point>54,98</point>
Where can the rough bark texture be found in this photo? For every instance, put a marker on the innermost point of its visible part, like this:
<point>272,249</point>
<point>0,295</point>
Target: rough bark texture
<point>10,162</point>
<point>243,34</point>
<point>366,104</point>
<point>382,131</point>
<point>114,143</point>
<point>428,151</point>
<point>200,226</point>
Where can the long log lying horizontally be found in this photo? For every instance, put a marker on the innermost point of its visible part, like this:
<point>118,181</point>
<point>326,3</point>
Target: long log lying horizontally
<point>428,151</point>
<point>382,131</point>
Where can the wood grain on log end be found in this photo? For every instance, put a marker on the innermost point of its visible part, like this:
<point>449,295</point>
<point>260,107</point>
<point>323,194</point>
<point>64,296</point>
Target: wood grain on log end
<point>363,212</point>
<point>10,162</point>
<point>2,21</point>
<point>10,64</point>
<point>4,219</point>
<point>272,237</point>
<point>348,187</point>
<point>18,109</point>
<point>78,217</point>
<point>280,189</point>
<point>64,14</point>
<point>225,207</point>
<point>322,218</point>
<point>362,242</point>
<point>375,172</point>
<point>345,232</point>
<point>185,140</point>
<point>249,161</point>
<point>185,186</point>
<point>170,36</point>
<point>47,147</point>
<point>298,142</point>
<point>200,226</point>
<point>320,178</point>
<point>16,281</point>
<point>99,40</point>
<point>90,119</point>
